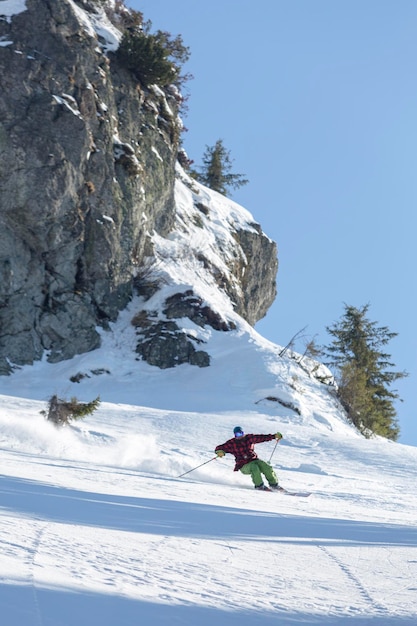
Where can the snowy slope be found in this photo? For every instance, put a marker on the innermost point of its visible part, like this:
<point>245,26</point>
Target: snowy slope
<point>97,528</point>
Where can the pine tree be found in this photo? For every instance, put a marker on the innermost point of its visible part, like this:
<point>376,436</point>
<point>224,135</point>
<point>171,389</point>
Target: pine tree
<point>215,172</point>
<point>153,58</point>
<point>62,412</point>
<point>147,58</point>
<point>363,378</point>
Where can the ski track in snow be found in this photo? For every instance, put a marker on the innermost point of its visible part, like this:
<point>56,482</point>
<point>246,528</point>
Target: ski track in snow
<point>374,607</point>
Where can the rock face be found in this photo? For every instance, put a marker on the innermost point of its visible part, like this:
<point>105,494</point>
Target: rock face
<point>87,174</point>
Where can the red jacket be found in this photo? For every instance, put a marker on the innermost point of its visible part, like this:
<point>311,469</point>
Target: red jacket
<point>243,448</point>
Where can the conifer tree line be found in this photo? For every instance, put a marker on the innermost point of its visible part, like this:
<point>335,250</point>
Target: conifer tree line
<point>363,372</point>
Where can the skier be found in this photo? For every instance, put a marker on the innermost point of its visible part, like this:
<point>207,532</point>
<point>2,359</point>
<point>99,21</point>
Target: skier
<point>243,448</point>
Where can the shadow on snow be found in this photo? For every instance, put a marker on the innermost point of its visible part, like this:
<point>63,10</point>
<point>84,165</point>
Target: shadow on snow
<point>62,608</point>
<point>187,519</point>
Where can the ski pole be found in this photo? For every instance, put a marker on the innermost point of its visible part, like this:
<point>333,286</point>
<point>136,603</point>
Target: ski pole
<point>275,447</point>
<point>194,468</point>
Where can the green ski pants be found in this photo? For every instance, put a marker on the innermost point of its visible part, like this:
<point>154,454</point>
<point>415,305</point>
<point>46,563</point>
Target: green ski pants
<point>258,467</point>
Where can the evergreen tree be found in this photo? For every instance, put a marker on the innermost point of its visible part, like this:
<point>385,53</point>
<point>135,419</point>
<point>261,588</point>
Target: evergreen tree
<point>363,375</point>
<point>153,58</point>
<point>62,412</point>
<point>215,172</point>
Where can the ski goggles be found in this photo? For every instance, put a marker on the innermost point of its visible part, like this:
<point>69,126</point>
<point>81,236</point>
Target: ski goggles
<point>239,433</point>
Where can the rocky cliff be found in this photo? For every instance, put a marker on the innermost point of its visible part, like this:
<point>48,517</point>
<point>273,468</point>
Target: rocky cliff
<point>95,210</point>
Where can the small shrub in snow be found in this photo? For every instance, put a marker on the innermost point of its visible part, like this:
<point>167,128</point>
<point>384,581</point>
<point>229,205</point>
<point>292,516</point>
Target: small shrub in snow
<point>62,412</point>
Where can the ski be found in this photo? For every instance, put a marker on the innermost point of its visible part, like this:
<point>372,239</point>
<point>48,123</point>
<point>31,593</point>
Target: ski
<point>286,492</point>
<point>298,494</point>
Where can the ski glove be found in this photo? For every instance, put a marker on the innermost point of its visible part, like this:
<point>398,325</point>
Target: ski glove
<point>220,452</point>
<point>278,436</point>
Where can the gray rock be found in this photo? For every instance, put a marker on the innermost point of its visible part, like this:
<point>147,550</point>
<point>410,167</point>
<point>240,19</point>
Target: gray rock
<point>81,183</point>
<point>87,171</point>
<point>165,344</point>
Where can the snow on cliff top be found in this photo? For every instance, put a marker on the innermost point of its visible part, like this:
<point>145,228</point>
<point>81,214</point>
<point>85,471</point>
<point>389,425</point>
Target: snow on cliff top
<point>8,8</point>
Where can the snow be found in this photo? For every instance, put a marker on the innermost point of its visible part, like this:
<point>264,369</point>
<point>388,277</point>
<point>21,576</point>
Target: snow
<point>9,8</point>
<point>69,102</point>
<point>97,527</point>
<point>97,24</point>
<point>127,517</point>
<point>106,30</point>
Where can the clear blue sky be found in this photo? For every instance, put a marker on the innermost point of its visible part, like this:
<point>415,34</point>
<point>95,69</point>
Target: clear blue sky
<point>317,103</point>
